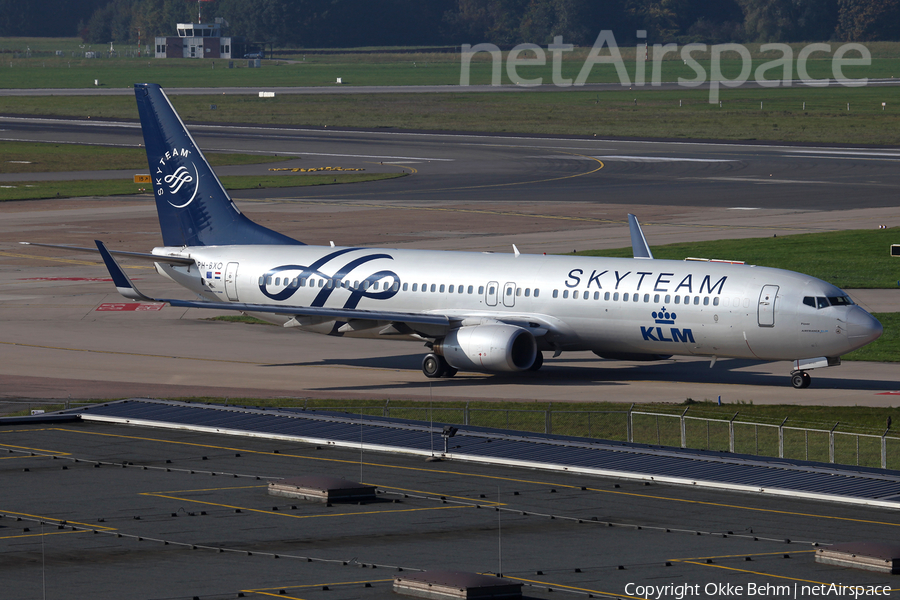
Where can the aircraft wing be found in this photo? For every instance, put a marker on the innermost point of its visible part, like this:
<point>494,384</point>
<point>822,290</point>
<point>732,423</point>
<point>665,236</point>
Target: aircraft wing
<point>436,325</point>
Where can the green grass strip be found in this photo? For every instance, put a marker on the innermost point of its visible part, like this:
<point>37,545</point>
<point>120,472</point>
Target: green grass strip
<point>849,259</point>
<point>35,190</point>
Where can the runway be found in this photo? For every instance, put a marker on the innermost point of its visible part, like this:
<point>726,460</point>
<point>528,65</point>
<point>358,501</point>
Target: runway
<point>464,192</point>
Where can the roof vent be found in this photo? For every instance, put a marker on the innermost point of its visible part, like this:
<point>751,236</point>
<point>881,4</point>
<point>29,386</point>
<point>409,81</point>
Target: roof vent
<point>455,584</point>
<point>319,488</point>
<point>870,556</point>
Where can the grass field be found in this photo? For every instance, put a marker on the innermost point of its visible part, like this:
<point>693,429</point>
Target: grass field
<point>799,114</point>
<point>35,190</point>
<point>848,259</point>
<point>40,157</point>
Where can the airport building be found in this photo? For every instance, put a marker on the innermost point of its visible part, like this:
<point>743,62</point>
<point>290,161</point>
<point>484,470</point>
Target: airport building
<point>199,40</point>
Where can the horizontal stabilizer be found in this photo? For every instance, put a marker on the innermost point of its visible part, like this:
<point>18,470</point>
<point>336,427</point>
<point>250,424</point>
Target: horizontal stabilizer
<point>165,260</point>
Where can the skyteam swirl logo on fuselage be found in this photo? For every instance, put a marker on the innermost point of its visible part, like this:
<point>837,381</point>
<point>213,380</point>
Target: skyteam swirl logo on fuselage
<point>181,184</point>
<point>357,292</point>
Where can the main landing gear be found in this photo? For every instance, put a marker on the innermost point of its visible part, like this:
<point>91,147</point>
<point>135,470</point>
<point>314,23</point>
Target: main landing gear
<point>434,366</point>
<point>800,379</point>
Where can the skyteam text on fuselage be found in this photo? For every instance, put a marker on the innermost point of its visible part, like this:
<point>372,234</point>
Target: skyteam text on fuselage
<point>485,312</point>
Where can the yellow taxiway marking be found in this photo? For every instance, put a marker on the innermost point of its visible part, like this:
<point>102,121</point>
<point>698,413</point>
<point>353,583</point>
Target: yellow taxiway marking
<point>497,478</point>
<point>740,555</point>
<point>35,449</point>
<point>53,520</point>
<point>266,592</point>
<point>840,585</point>
<point>27,535</point>
<point>479,501</point>
<point>284,514</point>
<point>577,589</point>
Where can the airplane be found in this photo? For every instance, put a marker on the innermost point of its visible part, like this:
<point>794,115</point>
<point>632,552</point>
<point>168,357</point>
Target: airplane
<point>476,311</point>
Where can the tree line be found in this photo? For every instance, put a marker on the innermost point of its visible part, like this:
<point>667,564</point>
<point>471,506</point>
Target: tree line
<point>356,23</point>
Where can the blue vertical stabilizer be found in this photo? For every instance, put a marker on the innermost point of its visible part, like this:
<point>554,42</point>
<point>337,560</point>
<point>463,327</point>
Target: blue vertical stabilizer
<point>193,207</point>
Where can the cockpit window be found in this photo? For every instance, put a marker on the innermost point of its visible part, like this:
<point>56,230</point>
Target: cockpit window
<point>809,301</point>
<point>821,302</point>
<point>840,300</point>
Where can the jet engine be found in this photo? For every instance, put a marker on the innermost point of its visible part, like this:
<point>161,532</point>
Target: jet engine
<point>488,348</point>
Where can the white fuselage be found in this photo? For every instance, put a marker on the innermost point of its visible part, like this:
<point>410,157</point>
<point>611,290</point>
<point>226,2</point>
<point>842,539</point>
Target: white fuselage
<point>612,306</point>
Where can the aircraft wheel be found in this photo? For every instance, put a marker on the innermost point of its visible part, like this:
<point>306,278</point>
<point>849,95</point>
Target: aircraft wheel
<point>538,362</point>
<point>450,371</point>
<point>434,366</point>
<point>800,380</point>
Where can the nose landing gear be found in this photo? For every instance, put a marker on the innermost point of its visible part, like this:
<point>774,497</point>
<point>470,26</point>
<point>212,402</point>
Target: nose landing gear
<point>800,379</point>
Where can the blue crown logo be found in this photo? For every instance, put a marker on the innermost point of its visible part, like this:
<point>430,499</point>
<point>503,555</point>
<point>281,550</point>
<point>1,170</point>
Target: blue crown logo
<point>664,317</point>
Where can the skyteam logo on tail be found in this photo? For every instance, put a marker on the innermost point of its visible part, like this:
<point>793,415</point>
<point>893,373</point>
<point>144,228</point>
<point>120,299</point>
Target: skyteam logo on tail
<point>657,334</point>
<point>178,186</point>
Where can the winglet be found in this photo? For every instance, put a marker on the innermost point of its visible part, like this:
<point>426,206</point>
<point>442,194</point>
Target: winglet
<point>638,242</point>
<point>120,279</point>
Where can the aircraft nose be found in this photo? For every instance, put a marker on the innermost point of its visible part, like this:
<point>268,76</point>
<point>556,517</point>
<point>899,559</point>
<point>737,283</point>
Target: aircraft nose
<point>862,327</point>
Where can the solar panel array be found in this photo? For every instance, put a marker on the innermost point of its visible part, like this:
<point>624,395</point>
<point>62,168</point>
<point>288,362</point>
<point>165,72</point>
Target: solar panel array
<point>575,455</point>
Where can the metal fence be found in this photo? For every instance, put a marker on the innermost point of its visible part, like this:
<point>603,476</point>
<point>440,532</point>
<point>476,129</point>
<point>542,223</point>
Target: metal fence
<point>666,429</point>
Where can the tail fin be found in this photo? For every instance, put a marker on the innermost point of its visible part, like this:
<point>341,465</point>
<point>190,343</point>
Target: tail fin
<point>193,207</point>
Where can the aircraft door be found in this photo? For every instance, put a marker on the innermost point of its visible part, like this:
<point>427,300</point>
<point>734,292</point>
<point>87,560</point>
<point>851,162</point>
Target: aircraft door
<point>767,305</point>
<point>231,281</point>
<point>509,294</point>
<point>491,292</point>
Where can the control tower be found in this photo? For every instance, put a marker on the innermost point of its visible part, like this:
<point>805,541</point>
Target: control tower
<point>198,40</point>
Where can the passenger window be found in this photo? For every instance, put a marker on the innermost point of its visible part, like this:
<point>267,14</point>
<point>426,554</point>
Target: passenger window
<point>518,291</point>
<point>509,291</point>
<point>656,298</point>
<point>527,292</point>
<point>636,297</point>
<point>537,292</point>
<point>491,290</point>
<point>587,295</point>
<point>262,279</point>
<point>596,295</point>
<point>303,282</point>
<point>646,297</point>
<point>278,281</point>
<point>556,293</point>
<point>575,294</point>
<point>396,286</point>
<point>706,301</point>
<point>442,288</point>
<point>415,287</point>
<point>821,302</point>
<point>321,283</point>
<point>696,300</point>
<point>625,297</point>
<point>405,287</point>
<point>606,296</point>
<point>471,288</point>
<point>480,289</point>
<point>616,297</point>
<point>449,291</point>
<point>432,288</point>
<point>375,286</point>
<point>565,293</point>
<point>460,288</point>
<point>668,298</point>
<point>677,299</point>
<point>716,301</point>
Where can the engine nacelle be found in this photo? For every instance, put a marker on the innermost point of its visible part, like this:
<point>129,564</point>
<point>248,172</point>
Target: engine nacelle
<point>488,348</point>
